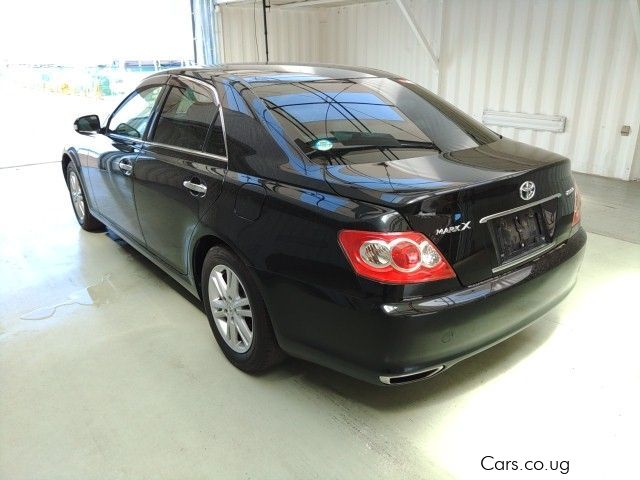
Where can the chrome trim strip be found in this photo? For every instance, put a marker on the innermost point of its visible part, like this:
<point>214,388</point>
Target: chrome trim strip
<point>187,150</point>
<point>517,209</point>
<point>525,257</point>
<point>434,371</point>
<point>139,141</point>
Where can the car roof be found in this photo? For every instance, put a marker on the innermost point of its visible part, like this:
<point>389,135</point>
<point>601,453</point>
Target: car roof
<point>263,73</point>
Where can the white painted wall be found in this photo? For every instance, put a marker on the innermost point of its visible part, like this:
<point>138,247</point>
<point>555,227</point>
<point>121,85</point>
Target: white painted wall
<point>577,58</point>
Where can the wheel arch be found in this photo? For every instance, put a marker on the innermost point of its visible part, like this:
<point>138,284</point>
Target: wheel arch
<point>67,157</point>
<point>201,247</point>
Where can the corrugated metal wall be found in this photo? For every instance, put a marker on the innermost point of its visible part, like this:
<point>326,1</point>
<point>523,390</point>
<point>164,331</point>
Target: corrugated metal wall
<point>573,58</point>
<point>577,58</point>
<point>295,35</point>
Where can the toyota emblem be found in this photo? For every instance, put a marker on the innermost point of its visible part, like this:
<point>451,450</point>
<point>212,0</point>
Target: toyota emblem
<point>527,190</point>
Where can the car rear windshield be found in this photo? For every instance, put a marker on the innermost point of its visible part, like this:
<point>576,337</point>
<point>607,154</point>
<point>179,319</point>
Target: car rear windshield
<point>361,120</point>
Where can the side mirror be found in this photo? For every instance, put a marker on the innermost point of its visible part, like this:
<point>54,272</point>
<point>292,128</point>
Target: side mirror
<point>87,124</point>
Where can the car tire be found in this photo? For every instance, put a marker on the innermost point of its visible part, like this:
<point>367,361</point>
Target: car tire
<point>240,302</point>
<point>78,201</point>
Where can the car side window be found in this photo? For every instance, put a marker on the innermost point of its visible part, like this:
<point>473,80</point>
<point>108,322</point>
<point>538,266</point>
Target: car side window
<point>186,116</point>
<point>215,140</point>
<point>132,117</point>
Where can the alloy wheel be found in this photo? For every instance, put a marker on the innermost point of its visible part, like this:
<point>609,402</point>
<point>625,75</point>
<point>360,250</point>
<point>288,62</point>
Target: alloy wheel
<point>230,308</point>
<point>77,197</point>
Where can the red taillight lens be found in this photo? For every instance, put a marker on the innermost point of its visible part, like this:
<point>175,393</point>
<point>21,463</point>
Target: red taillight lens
<point>399,257</point>
<point>406,255</point>
<point>577,206</point>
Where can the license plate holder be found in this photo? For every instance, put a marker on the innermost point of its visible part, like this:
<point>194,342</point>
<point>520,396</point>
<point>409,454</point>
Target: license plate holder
<point>518,233</point>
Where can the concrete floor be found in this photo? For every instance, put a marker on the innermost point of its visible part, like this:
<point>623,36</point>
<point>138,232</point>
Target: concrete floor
<point>107,370</point>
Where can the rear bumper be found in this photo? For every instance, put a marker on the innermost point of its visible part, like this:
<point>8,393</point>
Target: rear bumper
<point>382,342</point>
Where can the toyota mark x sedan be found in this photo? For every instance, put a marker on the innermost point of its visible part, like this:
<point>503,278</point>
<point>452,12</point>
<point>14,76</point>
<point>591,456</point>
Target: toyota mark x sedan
<point>341,215</point>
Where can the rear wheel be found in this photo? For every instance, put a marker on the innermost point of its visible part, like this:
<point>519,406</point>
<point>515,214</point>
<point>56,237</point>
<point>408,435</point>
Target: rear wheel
<point>236,312</point>
<point>78,200</point>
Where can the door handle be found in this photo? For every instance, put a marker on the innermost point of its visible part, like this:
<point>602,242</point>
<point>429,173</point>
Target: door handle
<point>125,166</point>
<point>196,188</point>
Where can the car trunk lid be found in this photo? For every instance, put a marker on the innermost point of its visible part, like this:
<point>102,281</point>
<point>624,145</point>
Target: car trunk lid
<point>469,204</point>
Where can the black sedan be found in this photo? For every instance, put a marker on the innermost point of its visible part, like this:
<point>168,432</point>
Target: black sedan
<point>345,216</point>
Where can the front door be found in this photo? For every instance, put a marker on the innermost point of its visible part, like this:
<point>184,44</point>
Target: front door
<point>111,161</point>
<point>179,172</point>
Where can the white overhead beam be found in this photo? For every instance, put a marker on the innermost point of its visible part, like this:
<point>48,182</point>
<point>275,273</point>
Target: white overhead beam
<point>306,3</point>
<point>321,3</point>
<point>424,41</point>
<point>229,3</point>
<point>287,4</point>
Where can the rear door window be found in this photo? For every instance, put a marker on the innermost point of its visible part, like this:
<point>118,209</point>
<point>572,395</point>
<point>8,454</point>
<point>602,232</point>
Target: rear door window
<point>189,119</point>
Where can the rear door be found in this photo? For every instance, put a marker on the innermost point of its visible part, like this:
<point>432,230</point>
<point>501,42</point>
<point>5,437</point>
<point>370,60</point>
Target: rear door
<point>112,157</point>
<point>180,170</point>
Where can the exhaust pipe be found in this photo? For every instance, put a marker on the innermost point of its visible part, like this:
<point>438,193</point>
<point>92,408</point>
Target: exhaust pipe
<point>411,377</point>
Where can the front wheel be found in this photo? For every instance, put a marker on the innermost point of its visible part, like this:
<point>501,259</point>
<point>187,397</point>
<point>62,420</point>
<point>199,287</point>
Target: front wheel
<point>236,312</point>
<point>78,200</point>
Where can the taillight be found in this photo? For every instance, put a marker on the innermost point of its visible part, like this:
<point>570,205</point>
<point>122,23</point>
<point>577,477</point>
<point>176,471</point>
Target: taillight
<point>399,257</point>
<point>577,206</point>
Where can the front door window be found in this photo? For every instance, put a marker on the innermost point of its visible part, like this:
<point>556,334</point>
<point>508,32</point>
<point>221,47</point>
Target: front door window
<point>132,117</point>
